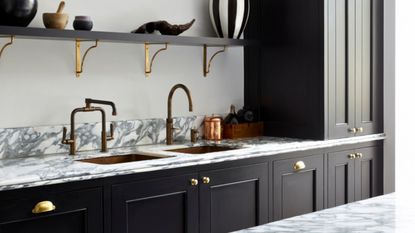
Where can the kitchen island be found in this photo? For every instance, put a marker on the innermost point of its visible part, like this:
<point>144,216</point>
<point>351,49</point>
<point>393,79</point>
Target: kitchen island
<point>389,213</point>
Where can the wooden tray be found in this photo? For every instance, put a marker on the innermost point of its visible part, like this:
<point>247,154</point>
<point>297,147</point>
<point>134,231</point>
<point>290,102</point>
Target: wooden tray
<point>244,130</point>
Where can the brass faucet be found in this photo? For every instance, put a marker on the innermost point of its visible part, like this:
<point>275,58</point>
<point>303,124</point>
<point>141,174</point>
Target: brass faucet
<point>88,108</point>
<point>169,120</point>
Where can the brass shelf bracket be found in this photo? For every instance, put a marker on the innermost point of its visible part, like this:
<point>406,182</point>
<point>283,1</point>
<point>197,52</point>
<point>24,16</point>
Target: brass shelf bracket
<point>206,64</point>
<point>6,45</point>
<point>149,62</point>
<point>79,61</point>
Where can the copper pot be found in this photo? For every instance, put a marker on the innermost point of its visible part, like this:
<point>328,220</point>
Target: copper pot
<point>213,128</point>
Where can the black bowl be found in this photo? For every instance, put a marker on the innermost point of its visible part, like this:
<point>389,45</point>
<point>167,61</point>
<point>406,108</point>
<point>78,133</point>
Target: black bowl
<point>17,12</point>
<point>83,23</point>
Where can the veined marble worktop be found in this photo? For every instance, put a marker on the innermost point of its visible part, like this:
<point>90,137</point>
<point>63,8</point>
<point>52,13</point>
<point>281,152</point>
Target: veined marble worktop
<point>60,168</point>
<point>384,214</point>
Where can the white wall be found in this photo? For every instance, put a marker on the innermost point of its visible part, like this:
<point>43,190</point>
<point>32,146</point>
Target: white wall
<point>405,97</point>
<point>38,84</point>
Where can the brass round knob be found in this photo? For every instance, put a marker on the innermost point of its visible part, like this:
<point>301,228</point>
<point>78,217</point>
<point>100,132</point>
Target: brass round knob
<point>194,182</point>
<point>353,130</point>
<point>352,156</point>
<point>359,155</point>
<point>206,180</point>
<point>298,166</point>
<point>360,130</point>
<point>43,207</point>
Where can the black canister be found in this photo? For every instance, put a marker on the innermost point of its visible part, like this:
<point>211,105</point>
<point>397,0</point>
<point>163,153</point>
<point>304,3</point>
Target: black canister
<point>83,23</point>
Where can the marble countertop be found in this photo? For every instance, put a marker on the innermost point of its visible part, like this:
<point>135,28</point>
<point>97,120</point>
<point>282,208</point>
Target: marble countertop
<point>60,168</point>
<point>388,213</point>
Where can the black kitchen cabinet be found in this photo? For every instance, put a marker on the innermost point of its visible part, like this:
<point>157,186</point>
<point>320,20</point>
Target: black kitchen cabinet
<point>76,212</point>
<point>233,199</point>
<point>298,186</point>
<point>354,175</point>
<point>156,206</point>
<point>319,71</point>
<point>226,200</point>
<point>354,68</point>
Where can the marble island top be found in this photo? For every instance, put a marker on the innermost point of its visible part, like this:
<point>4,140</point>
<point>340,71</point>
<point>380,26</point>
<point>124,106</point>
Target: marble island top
<point>384,214</point>
<point>60,168</point>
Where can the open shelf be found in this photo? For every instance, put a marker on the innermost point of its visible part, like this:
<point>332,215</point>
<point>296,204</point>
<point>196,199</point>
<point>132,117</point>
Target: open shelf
<point>117,37</point>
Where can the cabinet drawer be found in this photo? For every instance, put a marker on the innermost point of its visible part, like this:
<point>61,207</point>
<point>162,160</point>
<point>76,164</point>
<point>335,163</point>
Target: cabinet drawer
<point>76,212</point>
<point>298,186</point>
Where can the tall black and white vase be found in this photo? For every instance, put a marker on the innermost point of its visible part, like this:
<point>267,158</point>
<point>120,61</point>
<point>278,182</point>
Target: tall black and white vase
<point>229,17</point>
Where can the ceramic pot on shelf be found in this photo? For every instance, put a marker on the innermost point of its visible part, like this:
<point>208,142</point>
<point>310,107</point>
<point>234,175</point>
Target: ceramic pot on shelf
<point>83,23</point>
<point>17,12</point>
<point>229,17</point>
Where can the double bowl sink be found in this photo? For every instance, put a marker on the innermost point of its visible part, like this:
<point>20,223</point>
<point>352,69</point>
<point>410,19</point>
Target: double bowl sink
<point>117,159</point>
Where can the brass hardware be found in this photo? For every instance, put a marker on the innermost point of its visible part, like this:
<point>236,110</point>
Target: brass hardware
<point>6,45</point>
<point>149,63</point>
<point>298,166</point>
<point>352,156</point>
<point>206,180</point>
<point>43,207</point>
<point>79,61</point>
<point>194,182</point>
<point>360,130</point>
<point>206,64</point>
<point>169,120</point>
<point>359,155</point>
<point>88,108</point>
<point>352,130</point>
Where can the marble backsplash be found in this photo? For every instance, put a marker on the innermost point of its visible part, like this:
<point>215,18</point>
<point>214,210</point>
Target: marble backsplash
<point>33,141</point>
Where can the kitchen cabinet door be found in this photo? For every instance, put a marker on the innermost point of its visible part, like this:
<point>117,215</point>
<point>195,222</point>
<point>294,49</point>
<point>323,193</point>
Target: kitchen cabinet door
<point>340,178</point>
<point>369,66</point>
<point>354,175</point>
<point>233,199</point>
<point>341,68</point>
<point>156,206</point>
<point>298,186</point>
<point>76,212</point>
<point>368,177</point>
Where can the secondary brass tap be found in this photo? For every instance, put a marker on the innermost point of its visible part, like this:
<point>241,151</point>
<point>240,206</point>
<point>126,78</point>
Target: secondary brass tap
<point>88,108</point>
<point>169,120</point>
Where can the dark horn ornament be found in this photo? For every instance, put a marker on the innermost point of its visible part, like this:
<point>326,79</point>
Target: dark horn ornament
<point>17,12</point>
<point>164,28</point>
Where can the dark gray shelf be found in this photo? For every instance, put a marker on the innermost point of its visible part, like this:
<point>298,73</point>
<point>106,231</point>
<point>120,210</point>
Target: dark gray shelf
<point>55,34</point>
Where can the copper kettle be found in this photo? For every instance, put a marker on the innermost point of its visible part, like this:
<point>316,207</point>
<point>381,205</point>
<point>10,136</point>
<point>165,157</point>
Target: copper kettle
<point>213,128</point>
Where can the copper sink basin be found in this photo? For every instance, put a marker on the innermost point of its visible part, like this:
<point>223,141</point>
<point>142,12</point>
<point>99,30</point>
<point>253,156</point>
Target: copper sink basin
<point>121,159</point>
<point>202,149</point>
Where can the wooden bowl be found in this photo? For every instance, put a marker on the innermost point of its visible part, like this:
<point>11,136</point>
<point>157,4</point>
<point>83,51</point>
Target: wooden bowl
<point>55,20</point>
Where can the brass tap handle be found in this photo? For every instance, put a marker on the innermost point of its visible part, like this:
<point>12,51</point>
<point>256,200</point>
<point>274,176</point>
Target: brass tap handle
<point>43,207</point>
<point>64,140</point>
<point>111,137</point>
<point>298,166</point>
<point>352,156</point>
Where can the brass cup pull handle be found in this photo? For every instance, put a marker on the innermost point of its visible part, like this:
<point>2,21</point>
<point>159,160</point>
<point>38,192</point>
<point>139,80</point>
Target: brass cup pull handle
<point>206,180</point>
<point>194,182</point>
<point>352,156</point>
<point>359,155</point>
<point>298,166</point>
<point>43,207</point>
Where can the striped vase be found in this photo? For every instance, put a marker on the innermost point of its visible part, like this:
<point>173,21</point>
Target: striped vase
<point>229,17</point>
